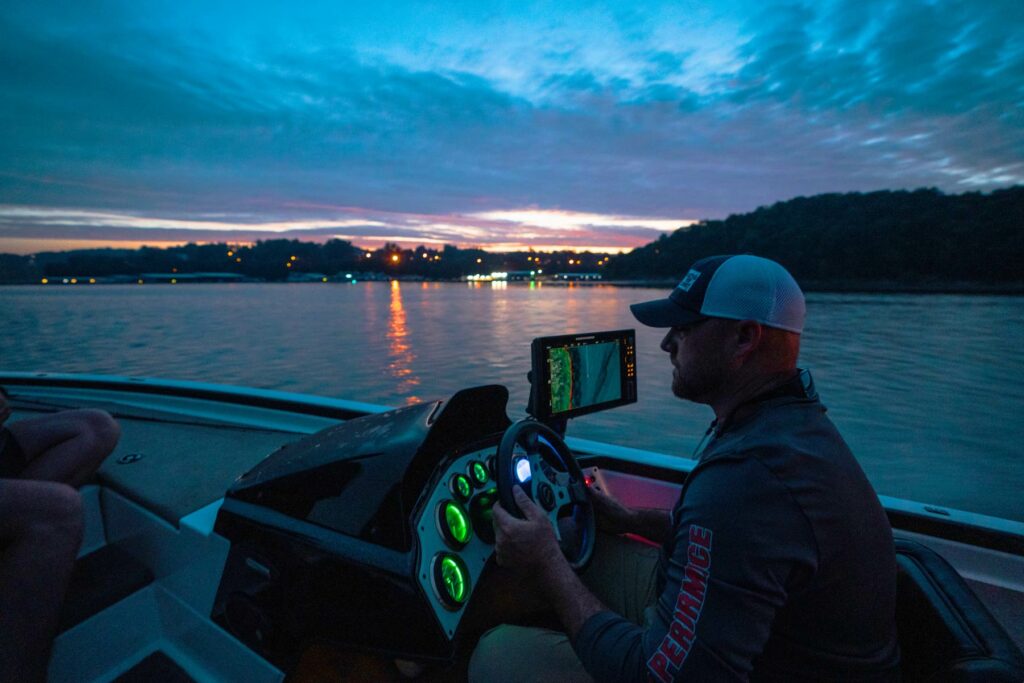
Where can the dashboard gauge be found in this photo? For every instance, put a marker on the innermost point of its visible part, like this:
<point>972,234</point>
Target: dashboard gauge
<point>460,487</point>
<point>478,473</point>
<point>480,511</point>
<point>450,580</point>
<point>453,523</point>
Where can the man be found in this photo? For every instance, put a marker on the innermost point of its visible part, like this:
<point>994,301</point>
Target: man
<point>777,561</point>
<point>43,460</point>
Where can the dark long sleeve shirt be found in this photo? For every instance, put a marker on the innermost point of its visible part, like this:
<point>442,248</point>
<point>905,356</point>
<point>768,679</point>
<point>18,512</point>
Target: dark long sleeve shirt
<point>781,567</point>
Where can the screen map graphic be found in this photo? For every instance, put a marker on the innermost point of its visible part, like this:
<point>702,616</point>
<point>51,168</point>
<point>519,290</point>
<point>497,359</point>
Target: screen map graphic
<point>584,375</point>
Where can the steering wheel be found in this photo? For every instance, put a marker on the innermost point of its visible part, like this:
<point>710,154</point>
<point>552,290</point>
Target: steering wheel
<point>535,458</point>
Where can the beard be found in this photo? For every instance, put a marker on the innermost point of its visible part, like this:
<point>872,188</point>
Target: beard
<point>699,380</point>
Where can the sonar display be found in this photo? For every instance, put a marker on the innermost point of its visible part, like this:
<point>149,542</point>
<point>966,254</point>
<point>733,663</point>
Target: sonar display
<point>584,375</point>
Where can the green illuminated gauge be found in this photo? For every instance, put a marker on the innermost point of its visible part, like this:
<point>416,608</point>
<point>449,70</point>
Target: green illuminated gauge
<point>478,473</point>
<point>453,523</point>
<point>481,514</point>
<point>460,487</point>
<point>451,580</point>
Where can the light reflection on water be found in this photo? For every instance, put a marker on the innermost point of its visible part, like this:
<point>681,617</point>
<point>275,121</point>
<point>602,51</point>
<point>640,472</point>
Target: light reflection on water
<point>399,349</point>
<point>928,390</point>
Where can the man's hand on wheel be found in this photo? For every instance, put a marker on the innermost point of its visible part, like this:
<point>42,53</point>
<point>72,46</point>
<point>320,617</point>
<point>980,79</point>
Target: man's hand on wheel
<point>524,544</point>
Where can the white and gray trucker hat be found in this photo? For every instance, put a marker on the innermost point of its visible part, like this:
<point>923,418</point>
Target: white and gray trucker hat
<point>742,287</point>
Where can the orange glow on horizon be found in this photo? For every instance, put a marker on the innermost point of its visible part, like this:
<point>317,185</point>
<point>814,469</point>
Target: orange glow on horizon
<point>27,246</point>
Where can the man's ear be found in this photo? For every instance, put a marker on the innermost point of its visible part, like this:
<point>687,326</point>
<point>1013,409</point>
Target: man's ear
<point>749,335</point>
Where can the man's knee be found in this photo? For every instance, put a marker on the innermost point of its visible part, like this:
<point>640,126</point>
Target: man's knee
<point>490,655</point>
<point>521,653</point>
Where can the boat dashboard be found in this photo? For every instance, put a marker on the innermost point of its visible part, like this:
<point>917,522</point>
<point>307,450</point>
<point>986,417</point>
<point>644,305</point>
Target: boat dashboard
<point>376,532</point>
<point>454,533</point>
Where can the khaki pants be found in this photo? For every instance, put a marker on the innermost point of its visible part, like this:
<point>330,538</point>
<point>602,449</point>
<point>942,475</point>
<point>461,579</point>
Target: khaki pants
<point>622,575</point>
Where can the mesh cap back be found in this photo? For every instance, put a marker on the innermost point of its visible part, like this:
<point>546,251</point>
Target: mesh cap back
<point>746,287</point>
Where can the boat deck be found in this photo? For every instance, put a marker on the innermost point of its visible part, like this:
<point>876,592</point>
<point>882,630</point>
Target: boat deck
<point>154,504</point>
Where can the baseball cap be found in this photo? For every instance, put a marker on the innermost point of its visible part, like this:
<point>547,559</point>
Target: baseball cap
<point>738,287</point>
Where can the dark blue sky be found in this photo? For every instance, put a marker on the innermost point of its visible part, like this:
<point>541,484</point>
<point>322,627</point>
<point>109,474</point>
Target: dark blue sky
<point>493,123</point>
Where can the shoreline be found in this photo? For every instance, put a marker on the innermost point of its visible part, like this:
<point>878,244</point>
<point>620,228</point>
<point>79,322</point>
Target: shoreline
<point>810,286</point>
<point>861,287</point>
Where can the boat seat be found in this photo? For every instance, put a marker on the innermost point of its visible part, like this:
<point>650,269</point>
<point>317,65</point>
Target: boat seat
<point>945,632</point>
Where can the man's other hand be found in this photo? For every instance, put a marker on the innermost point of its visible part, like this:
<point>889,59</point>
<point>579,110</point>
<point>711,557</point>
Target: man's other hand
<point>612,516</point>
<point>524,544</point>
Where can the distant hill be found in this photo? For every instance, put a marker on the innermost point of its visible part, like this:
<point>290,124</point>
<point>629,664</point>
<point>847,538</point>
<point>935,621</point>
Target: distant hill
<point>901,240</point>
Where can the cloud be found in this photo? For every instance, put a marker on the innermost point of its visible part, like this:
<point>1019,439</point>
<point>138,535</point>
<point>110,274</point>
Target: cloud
<point>649,111</point>
<point>909,57</point>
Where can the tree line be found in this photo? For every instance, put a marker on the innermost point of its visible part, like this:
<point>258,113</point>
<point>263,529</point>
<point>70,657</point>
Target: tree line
<point>890,239</point>
<point>275,260</point>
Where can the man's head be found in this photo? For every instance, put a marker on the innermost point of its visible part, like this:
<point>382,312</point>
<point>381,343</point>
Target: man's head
<point>732,320</point>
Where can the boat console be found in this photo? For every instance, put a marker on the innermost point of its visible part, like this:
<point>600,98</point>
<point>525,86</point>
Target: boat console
<point>376,533</point>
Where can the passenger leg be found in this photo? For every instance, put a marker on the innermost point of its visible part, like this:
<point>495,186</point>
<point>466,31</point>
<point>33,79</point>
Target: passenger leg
<point>65,447</point>
<point>40,533</point>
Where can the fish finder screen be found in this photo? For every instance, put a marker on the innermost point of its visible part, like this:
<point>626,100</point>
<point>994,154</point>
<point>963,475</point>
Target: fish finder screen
<point>579,374</point>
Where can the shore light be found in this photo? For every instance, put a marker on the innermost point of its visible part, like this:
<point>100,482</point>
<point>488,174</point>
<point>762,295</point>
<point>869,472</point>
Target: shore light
<point>425,255</point>
<point>323,280</point>
<point>45,281</point>
<point>394,258</point>
<point>479,260</point>
<point>174,281</point>
<point>368,254</point>
<point>238,260</point>
<point>92,281</point>
<point>293,258</point>
<point>230,254</point>
<point>140,281</point>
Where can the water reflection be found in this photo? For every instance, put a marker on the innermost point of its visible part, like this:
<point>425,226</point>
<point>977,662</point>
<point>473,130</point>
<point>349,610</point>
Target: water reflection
<point>928,390</point>
<point>399,348</point>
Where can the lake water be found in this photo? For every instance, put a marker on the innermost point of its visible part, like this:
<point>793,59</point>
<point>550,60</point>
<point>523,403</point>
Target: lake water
<point>927,389</point>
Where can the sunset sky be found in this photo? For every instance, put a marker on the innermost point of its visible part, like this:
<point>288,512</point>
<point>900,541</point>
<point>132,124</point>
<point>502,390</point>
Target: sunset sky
<point>495,124</point>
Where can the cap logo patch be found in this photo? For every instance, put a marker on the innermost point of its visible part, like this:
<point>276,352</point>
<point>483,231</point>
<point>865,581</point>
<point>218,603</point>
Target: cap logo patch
<point>689,280</point>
